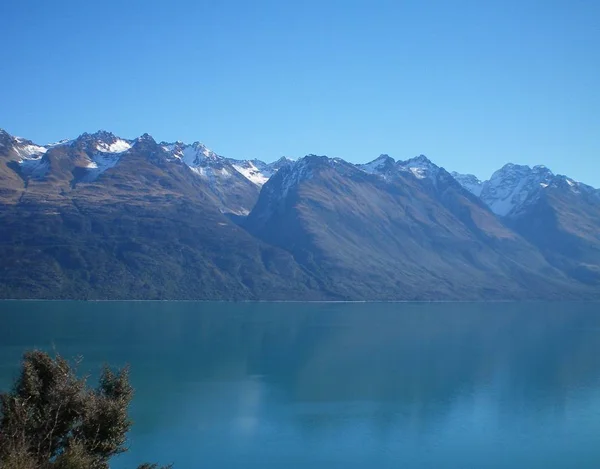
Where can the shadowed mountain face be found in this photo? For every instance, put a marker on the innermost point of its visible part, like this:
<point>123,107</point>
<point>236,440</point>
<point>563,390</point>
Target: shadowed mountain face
<point>105,217</point>
<point>559,216</point>
<point>401,234</point>
<point>563,221</point>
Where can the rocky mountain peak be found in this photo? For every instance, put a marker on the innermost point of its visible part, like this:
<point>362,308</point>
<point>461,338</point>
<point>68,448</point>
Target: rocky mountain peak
<point>101,141</point>
<point>382,165</point>
<point>420,166</point>
<point>470,182</point>
<point>513,185</point>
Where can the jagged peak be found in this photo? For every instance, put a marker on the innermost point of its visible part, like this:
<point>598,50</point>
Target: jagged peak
<point>384,157</point>
<point>382,164</point>
<point>101,141</point>
<point>522,168</point>
<point>470,182</point>
<point>420,166</point>
<point>99,134</point>
<point>312,160</point>
<point>145,142</point>
<point>466,177</point>
<point>194,154</point>
<point>283,159</point>
<point>418,159</point>
<point>144,139</point>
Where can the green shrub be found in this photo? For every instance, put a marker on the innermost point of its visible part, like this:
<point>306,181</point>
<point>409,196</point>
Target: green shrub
<point>51,419</point>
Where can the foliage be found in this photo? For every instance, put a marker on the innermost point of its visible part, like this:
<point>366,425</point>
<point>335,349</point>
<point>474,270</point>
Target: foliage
<point>51,419</point>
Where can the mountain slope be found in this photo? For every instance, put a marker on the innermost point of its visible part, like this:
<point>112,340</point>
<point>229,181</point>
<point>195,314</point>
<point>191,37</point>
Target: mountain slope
<point>562,220</point>
<point>559,216</point>
<point>145,228</point>
<point>102,217</point>
<point>404,230</point>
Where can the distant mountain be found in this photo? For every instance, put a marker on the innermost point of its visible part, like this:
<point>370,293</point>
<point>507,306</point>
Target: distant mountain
<point>235,184</point>
<point>558,215</point>
<point>101,216</point>
<point>470,182</point>
<point>397,230</point>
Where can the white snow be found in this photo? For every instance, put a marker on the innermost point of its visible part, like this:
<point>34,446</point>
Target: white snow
<point>118,146</point>
<point>251,172</point>
<point>470,182</point>
<point>192,155</point>
<point>208,164</point>
<point>31,158</point>
<point>419,173</point>
<point>29,151</point>
<point>513,186</point>
<point>377,165</point>
<point>420,167</point>
<point>60,142</point>
<point>211,173</point>
<point>99,163</point>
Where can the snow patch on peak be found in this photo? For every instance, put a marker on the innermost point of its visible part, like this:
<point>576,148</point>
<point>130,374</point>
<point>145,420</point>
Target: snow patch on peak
<point>250,171</point>
<point>118,145</point>
<point>59,143</point>
<point>420,167</point>
<point>192,155</point>
<point>205,162</point>
<point>470,182</point>
<point>211,173</point>
<point>382,163</point>
<point>31,159</point>
<point>99,163</point>
<point>29,151</point>
<point>512,186</point>
<point>259,172</point>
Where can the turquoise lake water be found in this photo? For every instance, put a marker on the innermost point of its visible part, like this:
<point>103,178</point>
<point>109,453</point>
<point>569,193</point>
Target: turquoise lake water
<point>327,386</point>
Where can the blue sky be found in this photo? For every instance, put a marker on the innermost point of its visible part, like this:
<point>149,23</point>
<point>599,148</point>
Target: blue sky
<point>471,84</point>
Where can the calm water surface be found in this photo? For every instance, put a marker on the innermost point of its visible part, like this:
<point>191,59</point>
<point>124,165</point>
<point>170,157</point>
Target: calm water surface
<point>325,386</point>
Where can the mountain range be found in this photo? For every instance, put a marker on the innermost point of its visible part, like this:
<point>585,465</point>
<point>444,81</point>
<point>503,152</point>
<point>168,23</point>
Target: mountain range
<point>102,217</point>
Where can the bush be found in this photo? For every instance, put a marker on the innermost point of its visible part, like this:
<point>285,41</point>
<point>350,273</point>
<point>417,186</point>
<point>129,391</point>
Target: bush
<point>51,419</point>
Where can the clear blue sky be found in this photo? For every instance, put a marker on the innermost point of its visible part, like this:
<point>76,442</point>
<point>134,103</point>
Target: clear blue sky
<point>471,84</point>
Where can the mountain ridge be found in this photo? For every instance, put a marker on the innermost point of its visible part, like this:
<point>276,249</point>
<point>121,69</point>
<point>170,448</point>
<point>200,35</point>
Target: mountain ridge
<point>314,228</point>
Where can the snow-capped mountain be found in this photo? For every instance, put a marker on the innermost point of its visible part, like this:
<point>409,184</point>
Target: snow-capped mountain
<point>505,193</point>
<point>206,163</point>
<point>31,158</point>
<point>102,151</point>
<point>513,187</point>
<point>470,182</point>
<point>193,155</point>
<point>177,220</point>
<point>385,166</point>
<point>258,171</point>
<point>420,167</point>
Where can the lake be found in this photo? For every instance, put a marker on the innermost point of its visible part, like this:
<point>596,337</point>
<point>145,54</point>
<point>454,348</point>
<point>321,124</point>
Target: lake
<point>337,385</point>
